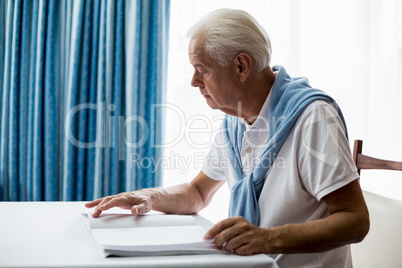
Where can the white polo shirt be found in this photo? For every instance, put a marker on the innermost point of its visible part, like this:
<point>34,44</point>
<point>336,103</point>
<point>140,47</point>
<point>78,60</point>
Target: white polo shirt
<point>314,161</point>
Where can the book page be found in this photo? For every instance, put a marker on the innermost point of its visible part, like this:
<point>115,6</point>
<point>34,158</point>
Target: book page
<point>148,220</point>
<point>149,236</point>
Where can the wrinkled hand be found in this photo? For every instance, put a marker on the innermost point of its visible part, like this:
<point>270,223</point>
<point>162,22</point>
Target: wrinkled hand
<point>138,202</point>
<point>240,236</point>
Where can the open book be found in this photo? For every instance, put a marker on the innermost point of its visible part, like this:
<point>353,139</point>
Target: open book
<point>150,234</point>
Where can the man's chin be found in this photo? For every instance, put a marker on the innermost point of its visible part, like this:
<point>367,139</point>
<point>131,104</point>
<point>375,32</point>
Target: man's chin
<point>211,103</point>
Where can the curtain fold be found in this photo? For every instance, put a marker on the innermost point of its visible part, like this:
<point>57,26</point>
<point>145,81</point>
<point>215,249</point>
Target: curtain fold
<point>78,86</point>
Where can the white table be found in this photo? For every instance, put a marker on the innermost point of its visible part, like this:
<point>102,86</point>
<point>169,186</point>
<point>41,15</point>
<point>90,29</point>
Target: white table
<point>51,234</point>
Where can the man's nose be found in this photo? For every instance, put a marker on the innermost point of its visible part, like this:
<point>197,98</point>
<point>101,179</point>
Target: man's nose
<point>195,81</point>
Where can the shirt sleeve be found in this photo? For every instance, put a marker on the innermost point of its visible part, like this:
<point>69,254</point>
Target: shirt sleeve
<point>325,162</point>
<point>216,161</point>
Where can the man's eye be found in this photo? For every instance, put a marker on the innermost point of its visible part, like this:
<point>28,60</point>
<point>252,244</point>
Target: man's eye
<point>201,70</point>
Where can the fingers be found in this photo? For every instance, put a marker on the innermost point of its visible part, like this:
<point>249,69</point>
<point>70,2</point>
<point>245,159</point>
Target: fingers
<point>93,203</point>
<point>244,249</point>
<point>219,227</point>
<point>140,209</point>
<point>96,213</point>
<point>99,203</point>
<point>113,201</point>
<point>235,243</point>
<point>137,202</point>
<point>237,235</point>
<point>230,235</point>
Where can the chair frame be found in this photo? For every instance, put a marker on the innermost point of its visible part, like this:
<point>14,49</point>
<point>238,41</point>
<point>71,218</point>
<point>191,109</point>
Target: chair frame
<point>366,162</point>
<point>381,247</point>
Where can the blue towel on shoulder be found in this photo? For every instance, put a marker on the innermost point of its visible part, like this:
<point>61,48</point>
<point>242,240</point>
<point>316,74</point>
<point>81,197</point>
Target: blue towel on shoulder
<point>289,97</point>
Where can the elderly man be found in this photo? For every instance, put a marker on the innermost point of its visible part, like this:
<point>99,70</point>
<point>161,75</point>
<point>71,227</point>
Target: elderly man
<point>294,186</point>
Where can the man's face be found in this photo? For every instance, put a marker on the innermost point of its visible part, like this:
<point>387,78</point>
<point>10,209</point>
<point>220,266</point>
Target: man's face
<point>219,85</point>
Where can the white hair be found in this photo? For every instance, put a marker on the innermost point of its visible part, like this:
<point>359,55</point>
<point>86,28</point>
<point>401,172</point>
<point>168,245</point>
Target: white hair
<point>228,32</point>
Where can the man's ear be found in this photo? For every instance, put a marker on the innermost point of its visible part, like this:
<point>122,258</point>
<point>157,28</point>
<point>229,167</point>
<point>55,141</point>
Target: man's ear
<point>244,64</point>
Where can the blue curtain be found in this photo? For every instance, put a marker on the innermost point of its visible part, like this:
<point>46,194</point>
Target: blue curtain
<point>80,85</point>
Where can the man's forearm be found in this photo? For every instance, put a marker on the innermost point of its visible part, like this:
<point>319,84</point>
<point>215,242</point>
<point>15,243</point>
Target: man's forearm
<point>185,198</point>
<point>320,235</point>
<point>239,235</point>
<point>179,199</point>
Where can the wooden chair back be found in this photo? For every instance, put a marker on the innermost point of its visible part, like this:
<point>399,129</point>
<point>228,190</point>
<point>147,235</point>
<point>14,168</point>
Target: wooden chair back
<point>366,162</point>
<point>382,246</point>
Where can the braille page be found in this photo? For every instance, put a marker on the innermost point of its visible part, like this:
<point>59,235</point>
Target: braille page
<point>148,220</point>
<point>149,236</point>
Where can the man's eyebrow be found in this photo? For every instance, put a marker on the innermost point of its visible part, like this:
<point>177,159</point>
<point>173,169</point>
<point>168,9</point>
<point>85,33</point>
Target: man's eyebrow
<point>206,66</point>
